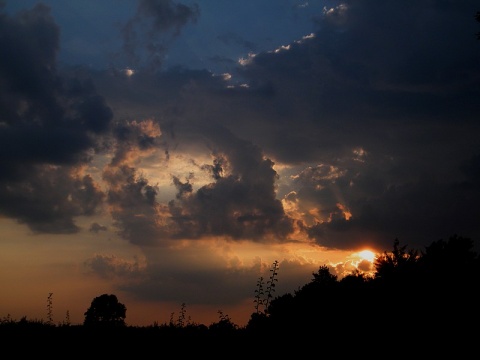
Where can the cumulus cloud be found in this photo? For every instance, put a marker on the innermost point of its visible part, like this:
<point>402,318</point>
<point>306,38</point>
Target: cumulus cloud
<point>50,126</point>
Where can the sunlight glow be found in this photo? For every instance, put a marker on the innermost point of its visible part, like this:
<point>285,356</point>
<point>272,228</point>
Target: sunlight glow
<point>367,255</point>
<point>129,72</point>
<point>248,60</point>
<point>282,48</point>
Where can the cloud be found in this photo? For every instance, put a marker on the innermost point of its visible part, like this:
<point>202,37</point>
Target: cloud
<point>50,126</point>
<point>49,199</point>
<point>337,138</point>
<point>148,34</point>
<point>197,274</point>
<point>238,203</point>
<point>350,87</point>
<point>114,268</point>
<point>366,132</point>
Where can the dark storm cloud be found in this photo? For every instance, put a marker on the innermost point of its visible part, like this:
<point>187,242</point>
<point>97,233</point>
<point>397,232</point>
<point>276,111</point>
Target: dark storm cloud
<point>132,199</point>
<point>398,80</point>
<point>148,34</point>
<point>240,201</point>
<point>418,213</point>
<point>48,128</point>
<point>381,104</point>
<point>241,204</point>
<point>134,209</point>
<point>388,64</point>
<point>48,199</point>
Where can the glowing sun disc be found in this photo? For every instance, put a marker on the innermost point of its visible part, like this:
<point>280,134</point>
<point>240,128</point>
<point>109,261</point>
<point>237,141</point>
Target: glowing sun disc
<point>367,255</point>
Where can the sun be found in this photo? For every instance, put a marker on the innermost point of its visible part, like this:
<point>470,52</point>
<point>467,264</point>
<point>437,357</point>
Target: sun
<point>367,255</point>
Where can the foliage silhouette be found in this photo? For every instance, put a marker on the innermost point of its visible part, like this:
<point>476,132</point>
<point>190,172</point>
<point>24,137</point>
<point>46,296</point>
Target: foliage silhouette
<point>259,295</point>
<point>416,293</point>
<point>105,310</point>
<point>262,298</point>
<point>50,308</point>
<point>224,325</point>
<point>398,266</point>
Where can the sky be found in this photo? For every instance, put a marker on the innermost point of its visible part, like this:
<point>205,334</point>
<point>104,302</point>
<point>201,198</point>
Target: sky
<point>169,152</point>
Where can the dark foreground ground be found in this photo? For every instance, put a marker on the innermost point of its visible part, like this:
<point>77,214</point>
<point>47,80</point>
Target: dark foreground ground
<point>320,341</point>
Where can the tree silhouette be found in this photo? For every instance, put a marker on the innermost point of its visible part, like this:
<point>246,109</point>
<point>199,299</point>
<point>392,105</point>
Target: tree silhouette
<point>452,257</point>
<point>434,291</point>
<point>105,310</point>
<point>450,271</point>
<point>398,265</point>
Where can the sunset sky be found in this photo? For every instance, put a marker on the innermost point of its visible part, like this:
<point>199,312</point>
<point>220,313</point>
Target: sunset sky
<point>168,152</point>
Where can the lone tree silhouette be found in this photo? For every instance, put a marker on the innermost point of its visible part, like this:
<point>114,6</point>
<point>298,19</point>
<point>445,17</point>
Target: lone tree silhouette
<point>105,310</point>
